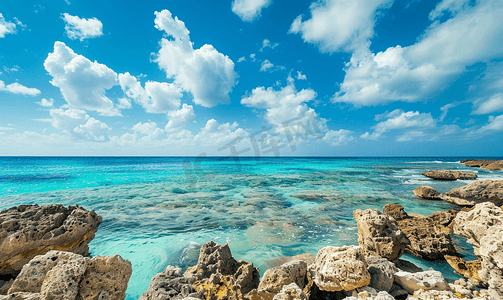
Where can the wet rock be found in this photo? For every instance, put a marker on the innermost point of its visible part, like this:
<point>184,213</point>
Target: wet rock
<point>484,164</point>
<point>278,261</point>
<point>426,192</point>
<point>379,235</point>
<point>429,236</point>
<point>480,191</point>
<point>30,230</point>
<point>468,269</point>
<point>337,269</point>
<point>381,273</point>
<point>427,280</point>
<point>449,175</point>
<point>290,292</point>
<point>169,284</point>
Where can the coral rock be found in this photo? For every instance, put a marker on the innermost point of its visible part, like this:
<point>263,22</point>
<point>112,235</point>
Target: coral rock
<point>449,175</point>
<point>426,192</point>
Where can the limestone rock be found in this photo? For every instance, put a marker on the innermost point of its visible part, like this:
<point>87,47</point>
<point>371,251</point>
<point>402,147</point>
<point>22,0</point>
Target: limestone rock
<point>435,295</point>
<point>480,191</point>
<point>29,230</point>
<point>484,164</point>
<point>426,192</point>
<point>429,236</point>
<point>337,269</point>
<point>293,272</point>
<point>278,261</point>
<point>395,211</point>
<point>457,201</point>
<point>379,235</point>
<point>170,284</point>
<point>21,296</point>
<point>381,273</point>
<point>427,280</point>
<point>290,292</point>
<point>449,175</point>
<point>468,269</point>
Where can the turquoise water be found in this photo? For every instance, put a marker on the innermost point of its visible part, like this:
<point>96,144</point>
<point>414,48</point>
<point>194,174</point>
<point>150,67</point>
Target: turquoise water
<point>156,211</point>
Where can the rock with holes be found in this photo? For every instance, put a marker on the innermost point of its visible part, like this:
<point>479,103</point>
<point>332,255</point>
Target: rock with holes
<point>469,269</point>
<point>427,280</point>
<point>30,230</point>
<point>170,284</point>
<point>379,235</point>
<point>290,292</point>
<point>381,273</point>
<point>21,296</point>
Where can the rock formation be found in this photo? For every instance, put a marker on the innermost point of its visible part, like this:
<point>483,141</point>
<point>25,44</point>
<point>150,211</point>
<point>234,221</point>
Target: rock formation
<point>484,164</point>
<point>30,230</point>
<point>170,284</point>
<point>278,261</point>
<point>379,235</point>
<point>427,192</point>
<point>427,280</point>
<point>449,175</point>
<point>480,191</point>
<point>381,273</point>
<point>468,269</point>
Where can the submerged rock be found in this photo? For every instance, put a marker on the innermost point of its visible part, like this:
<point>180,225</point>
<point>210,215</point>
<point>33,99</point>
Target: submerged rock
<point>427,192</point>
<point>480,191</point>
<point>379,235</point>
<point>30,230</point>
<point>449,175</point>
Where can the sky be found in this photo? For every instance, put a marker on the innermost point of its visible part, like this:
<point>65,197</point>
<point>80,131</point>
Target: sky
<point>251,78</point>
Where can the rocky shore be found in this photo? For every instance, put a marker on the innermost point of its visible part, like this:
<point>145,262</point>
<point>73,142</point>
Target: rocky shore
<point>44,254</point>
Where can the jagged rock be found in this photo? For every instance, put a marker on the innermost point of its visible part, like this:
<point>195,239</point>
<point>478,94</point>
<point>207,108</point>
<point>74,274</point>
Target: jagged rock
<point>395,211</point>
<point>29,230</point>
<point>170,284</point>
<point>480,191</point>
<point>484,164</point>
<point>426,192</point>
<point>379,235</point>
<point>218,273</point>
<point>278,261</point>
<point>449,175</point>
<point>427,280</point>
<point>65,275</point>
<point>381,273</point>
<point>463,288</point>
<point>468,269</point>
<point>293,272</point>
<point>290,292</point>
<point>435,295</point>
<point>21,296</point>
<point>483,227</point>
<point>337,269</point>
<point>429,236</point>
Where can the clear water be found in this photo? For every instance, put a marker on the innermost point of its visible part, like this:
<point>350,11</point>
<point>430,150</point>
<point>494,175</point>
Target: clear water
<point>157,210</point>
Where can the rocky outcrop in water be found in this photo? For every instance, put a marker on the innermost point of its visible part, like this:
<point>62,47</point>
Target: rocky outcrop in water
<point>30,230</point>
<point>427,192</point>
<point>449,175</point>
<point>429,236</point>
<point>65,275</point>
<point>480,191</point>
<point>484,164</point>
<point>379,235</point>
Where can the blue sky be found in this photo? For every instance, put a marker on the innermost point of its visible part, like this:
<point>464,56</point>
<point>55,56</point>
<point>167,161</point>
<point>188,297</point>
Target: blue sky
<point>251,77</point>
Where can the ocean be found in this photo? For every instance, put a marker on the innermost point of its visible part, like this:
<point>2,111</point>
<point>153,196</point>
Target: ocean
<point>157,211</point>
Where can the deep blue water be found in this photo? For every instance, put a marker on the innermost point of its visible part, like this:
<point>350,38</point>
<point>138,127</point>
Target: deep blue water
<point>157,210</point>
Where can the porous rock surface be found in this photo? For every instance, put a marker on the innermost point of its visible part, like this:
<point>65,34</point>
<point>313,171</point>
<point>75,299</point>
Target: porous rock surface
<point>449,175</point>
<point>379,235</point>
<point>426,192</point>
<point>30,230</point>
<point>480,191</point>
<point>429,236</point>
<point>290,292</point>
<point>468,269</point>
<point>427,280</point>
<point>65,275</point>
<point>292,272</point>
<point>381,273</point>
<point>337,269</point>
<point>170,284</point>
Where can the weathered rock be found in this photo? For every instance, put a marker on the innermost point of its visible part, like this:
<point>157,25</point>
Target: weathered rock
<point>426,192</point>
<point>65,275</point>
<point>218,273</point>
<point>462,288</point>
<point>395,211</point>
<point>169,284</point>
<point>381,273</point>
<point>293,272</point>
<point>449,175</point>
<point>484,164</point>
<point>480,191</point>
<point>427,280</point>
<point>397,291</point>
<point>5,286</point>
<point>278,261</point>
<point>29,230</point>
<point>290,292</point>
<point>435,295</point>
<point>21,296</point>
<point>457,201</point>
<point>407,266</point>
<point>429,236</point>
<point>483,227</point>
<point>468,269</point>
<point>337,269</point>
<point>379,235</point>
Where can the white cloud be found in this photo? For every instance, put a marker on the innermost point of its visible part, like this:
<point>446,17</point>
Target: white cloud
<point>266,65</point>
<point>124,103</point>
<point>180,118</point>
<point>216,135</point>
<point>79,125</point>
<point>399,120</point>
<point>83,83</point>
<point>207,74</point>
<point>340,25</point>
<point>241,59</point>
<point>300,76</point>
<point>494,125</point>
<point>338,137</point>
<point>452,6</point>
<point>441,54</point>
<point>93,130</point>
<point>77,28</point>
<point>6,128</point>
<point>445,110</point>
<point>267,44</point>
<point>492,105</point>
<point>16,88</point>
<point>46,103</point>
<point>249,10</point>
<point>6,27</point>
<point>156,97</point>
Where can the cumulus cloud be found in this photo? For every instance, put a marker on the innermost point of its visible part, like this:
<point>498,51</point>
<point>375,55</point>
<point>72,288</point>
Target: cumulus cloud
<point>398,120</point>
<point>79,125</point>
<point>217,135</point>
<point>492,105</point>
<point>338,137</point>
<point>92,130</point>
<point>340,25</point>
<point>494,125</point>
<point>46,103</point>
<point>156,97</point>
<point>16,88</point>
<point>81,28</point>
<point>300,76</point>
<point>6,27</point>
<point>206,73</point>
<point>267,44</point>
<point>416,72</point>
<point>249,10</point>
<point>180,118</point>
<point>83,83</point>
<point>266,65</point>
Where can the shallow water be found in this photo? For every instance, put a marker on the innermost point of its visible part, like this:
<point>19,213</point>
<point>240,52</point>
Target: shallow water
<point>157,211</point>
